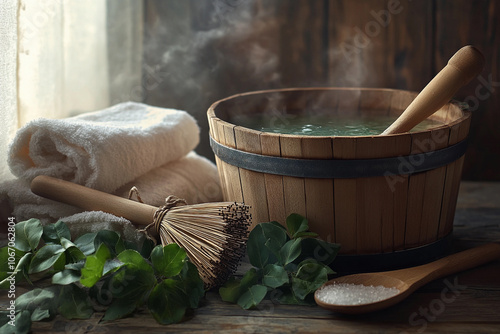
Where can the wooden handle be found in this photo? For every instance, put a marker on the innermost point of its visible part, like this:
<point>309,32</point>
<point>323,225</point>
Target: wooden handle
<point>92,200</point>
<point>465,64</point>
<point>449,265</point>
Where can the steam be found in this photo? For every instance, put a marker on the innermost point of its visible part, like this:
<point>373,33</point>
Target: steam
<point>201,57</point>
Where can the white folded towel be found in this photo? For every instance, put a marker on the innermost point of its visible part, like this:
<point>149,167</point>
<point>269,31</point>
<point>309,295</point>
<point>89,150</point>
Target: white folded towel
<point>103,149</point>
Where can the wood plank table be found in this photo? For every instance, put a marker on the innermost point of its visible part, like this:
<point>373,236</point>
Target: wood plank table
<point>468,302</point>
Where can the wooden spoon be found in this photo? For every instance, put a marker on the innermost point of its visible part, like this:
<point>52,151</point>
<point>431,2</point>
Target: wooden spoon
<point>410,279</point>
<point>465,64</point>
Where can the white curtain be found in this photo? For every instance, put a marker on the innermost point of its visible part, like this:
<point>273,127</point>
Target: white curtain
<point>59,58</point>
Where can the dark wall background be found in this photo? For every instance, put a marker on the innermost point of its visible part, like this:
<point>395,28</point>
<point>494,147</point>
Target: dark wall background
<point>196,52</point>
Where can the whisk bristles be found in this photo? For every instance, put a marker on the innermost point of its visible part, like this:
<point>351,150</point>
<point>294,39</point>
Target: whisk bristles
<point>214,236</point>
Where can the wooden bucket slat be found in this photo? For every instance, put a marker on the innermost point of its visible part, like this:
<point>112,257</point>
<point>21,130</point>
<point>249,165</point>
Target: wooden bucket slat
<point>235,191</point>
<point>433,192</point>
<point>319,192</point>
<point>253,183</point>
<point>370,201</point>
<point>445,221</point>
<point>416,186</point>
<point>218,135</point>
<point>399,186</point>
<point>345,199</point>
<point>270,144</point>
<point>293,187</point>
<point>458,132</point>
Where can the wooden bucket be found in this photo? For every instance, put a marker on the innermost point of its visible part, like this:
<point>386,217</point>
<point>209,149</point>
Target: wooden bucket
<point>388,200</point>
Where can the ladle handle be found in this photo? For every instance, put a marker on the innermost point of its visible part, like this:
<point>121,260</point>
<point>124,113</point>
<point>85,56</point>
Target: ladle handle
<point>465,64</point>
<point>451,264</point>
<point>91,199</point>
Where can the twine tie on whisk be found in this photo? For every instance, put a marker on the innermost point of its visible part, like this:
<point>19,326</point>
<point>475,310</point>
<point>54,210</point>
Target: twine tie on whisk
<point>152,230</point>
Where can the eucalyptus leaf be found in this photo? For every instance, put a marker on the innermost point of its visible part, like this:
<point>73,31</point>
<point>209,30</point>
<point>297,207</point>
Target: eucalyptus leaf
<point>66,243</point>
<point>22,321</point>
<point>53,233</point>
<point>73,303</point>
<point>39,314</point>
<point>290,251</point>
<point>309,277</point>
<point>264,243</point>
<point>322,251</point>
<point>250,278</point>
<point>45,258</point>
<point>20,270</point>
<point>314,265</point>
<point>231,290</point>
<point>120,246</point>
<point>258,255</point>
<point>28,234</point>
<point>274,276</point>
<point>147,248</point>
<point>111,266</point>
<point>101,293</point>
<point>295,224</point>
<point>86,243</point>
<point>130,256</point>
<point>118,309</point>
<point>276,237</point>
<point>5,265</point>
<point>109,238</point>
<point>168,260</point>
<point>167,302</point>
<point>77,266</point>
<point>94,265</point>
<point>193,284</point>
<point>65,277</point>
<point>74,254</point>
<point>42,299</point>
<point>132,283</point>
<point>60,262</point>
<point>252,297</point>
<point>301,288</point>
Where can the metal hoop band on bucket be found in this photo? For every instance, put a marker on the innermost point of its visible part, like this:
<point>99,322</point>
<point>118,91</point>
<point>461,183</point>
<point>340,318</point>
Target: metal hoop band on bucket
<point>338,168</point>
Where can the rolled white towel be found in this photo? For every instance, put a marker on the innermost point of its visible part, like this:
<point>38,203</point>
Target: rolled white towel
<point>103,149</point>
<point>95,221</point>
<point>193,178</point>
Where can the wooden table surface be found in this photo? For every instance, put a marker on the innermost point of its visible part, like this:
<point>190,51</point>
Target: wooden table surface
<point>468,302</point>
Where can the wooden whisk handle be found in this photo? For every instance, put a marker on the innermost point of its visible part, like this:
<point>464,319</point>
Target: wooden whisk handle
<point>92,200</point>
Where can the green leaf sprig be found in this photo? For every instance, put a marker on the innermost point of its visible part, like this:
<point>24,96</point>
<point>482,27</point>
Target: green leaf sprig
<point>97,271</point>
<point>289,265</point>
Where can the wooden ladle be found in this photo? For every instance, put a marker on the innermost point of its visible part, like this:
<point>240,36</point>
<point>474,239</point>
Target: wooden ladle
<point>465,64</point>
<point>410,279</point>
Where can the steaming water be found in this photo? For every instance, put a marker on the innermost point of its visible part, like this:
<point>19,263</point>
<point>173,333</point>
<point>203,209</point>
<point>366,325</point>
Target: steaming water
<point>323,125</point>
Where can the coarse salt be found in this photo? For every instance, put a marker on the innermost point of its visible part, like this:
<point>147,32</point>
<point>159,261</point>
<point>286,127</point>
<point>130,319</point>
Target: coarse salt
<point>354,294</point>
